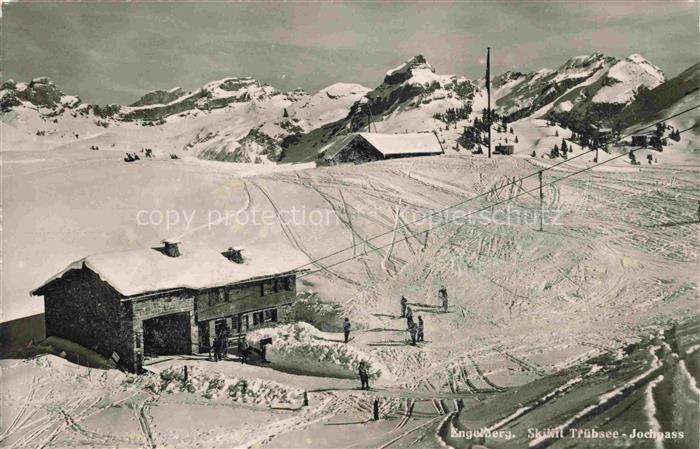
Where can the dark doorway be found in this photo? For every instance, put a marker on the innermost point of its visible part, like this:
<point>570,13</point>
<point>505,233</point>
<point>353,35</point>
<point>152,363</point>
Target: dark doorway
<point>167,335</point>
<point>204,343</point>
<point>219,326</point>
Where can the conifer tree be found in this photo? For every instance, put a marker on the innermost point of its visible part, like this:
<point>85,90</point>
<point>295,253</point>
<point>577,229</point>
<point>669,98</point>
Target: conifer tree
<point>555,152</point>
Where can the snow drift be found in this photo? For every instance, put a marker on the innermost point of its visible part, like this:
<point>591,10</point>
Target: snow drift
<point>301,348</point>
<point>214,385</point>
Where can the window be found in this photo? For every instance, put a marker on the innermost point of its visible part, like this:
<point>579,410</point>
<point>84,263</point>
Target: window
<point>258,318</point>
<point>289,283</point>
<point>271,316</point>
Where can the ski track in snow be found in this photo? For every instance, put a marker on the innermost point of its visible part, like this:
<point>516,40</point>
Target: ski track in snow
<point>650,410</point>
<point>603,400</point>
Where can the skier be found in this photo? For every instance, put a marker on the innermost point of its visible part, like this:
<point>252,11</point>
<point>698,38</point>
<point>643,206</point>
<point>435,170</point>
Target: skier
<point>420,329</point>
<point>442,294</point>
<point>346,329</point>
<point>409,316</point>
<point>413,330</point>
<point>404,303</point>
<point>364,376</point>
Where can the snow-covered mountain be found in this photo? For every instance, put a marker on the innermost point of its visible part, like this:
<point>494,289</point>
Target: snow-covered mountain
<point>590,87</point>
<point>233,119</point>
<point>244,120</point>
<point>669,98</point>
<point>411,98</point>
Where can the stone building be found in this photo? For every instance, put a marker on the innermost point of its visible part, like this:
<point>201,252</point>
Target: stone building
<point>168,300</point>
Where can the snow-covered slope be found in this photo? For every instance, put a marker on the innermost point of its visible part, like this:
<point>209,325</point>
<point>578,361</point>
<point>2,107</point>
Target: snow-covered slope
<point>624,79</point>
<point>326,106</point>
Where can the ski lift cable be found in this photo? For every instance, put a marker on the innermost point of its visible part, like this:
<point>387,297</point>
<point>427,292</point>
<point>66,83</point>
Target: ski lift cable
<point>483,194</point>
<point>306,272</point>
<point>569,175</point>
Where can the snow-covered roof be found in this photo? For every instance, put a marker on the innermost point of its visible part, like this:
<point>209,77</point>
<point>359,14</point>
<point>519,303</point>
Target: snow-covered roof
<point>387,144</point>
<point>414,143</point>
<point>142,271</point>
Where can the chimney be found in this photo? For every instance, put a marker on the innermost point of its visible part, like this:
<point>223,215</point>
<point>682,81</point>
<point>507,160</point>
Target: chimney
<point>171,248</point>
<point>234,254</point>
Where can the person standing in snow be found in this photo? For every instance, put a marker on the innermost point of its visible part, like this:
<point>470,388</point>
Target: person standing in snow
<point>443,299</point>
<point>243,350</point>
<point>413,331</point>
<point>364,376</point>
<point>404,303</point>
<point>225,334</point>
<point>217,347</point>
<point>420,336</point>
<point>442,294</point>
<point>346,329</point>
<point>409,317</point>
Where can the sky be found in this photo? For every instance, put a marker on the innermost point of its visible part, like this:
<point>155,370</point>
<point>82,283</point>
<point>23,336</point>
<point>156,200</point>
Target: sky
<point>113,52</point>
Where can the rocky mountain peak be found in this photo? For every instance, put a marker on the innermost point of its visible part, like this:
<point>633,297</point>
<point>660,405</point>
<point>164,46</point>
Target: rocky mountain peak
<point>40,92</point>
<point>506,77</point>
<point>405,71</point>
<point>159,97</point>
<point>595,59</point>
